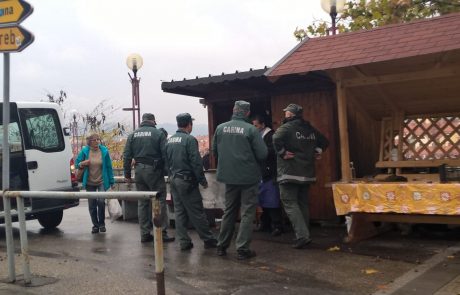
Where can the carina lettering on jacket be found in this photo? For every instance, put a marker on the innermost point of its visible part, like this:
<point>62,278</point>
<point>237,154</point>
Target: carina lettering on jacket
<point>142,134</point>
<point>175,140</point>
<point>233,129</point>
<point>299,135</point>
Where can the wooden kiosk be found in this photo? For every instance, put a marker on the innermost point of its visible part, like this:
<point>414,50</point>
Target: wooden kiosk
<point>398,108</point>
<point>315,91</point>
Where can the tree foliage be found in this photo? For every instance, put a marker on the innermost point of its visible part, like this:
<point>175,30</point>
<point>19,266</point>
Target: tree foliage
<point>59,99</point>
<point>368,14</point>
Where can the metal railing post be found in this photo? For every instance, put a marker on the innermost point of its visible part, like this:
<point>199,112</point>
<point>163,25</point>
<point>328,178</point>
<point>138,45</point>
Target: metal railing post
<point>9,239</point>
<point>24,243</point>
<point>20,195</point>
<point>158,244</point>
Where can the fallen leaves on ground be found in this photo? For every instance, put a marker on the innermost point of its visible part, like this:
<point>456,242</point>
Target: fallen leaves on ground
<point>332,249</point>
<point>370,271</point>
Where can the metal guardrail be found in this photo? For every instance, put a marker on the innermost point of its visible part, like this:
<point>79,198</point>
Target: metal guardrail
<point>20,195</point>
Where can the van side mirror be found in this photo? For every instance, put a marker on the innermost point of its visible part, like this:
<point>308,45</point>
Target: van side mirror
<point>66,131</point>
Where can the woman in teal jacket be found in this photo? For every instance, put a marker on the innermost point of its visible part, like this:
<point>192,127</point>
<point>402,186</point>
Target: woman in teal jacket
<point>97,176</point>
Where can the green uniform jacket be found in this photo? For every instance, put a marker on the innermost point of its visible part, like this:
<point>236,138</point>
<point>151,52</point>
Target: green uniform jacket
<point>183,156</point>
<point>146,145</point>
<point>239,149</point>
<point>302,139</point>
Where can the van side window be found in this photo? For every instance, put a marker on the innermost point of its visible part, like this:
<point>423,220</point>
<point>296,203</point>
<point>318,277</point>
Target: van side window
<point>42,130</point>
<point>14,137</point>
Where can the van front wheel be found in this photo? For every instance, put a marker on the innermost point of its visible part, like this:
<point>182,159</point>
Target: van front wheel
<point>50,220</point>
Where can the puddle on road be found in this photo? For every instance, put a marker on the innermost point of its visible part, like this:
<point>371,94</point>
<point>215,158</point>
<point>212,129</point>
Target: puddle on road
<point>101,250</point>
<point>36,281</point>
<point>45,254</point>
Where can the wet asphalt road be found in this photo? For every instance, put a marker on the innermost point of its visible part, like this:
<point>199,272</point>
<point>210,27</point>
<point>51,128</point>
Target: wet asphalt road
<point>78,262</point>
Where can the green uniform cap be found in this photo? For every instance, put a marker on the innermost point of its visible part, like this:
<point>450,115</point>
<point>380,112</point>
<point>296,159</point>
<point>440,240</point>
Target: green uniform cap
<point>294,108</point>
<point>241,107</point>
<point>148,117</point>
<point>184,118</point>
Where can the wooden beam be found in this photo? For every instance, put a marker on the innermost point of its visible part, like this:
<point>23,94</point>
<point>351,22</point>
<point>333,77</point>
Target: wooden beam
<point>418,163</point>
<point>381,92</point>
<point>410,218</point>
<point>382,140</point>
<point>399,123</point>
<point>359,72</point>
<point>211,128</point>
<point>362,226</point>
<point>343,131</point>
<point>332,74</point>
<point>357,106</point>
<point>386,98</point>
<point>442,61</point>
<point>402,77</point>
<point>434,115</point>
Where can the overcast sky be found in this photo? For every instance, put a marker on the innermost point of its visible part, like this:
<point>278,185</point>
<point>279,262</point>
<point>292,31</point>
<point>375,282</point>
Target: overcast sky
<point>81,47</point>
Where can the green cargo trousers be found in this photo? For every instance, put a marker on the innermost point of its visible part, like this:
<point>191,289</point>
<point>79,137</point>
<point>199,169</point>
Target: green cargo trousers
<point>295,202</point>
<point>236,196</point>
<point>149,179</point>
<point>188,206</point>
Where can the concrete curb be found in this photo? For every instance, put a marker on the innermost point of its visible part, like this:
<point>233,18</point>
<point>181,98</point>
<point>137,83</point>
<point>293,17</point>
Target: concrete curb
<point>419,270</point>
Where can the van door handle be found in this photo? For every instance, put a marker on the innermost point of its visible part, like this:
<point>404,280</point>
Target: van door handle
<point>32,165</point>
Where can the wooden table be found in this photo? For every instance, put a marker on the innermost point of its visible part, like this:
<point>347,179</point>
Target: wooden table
<point>395,202</point>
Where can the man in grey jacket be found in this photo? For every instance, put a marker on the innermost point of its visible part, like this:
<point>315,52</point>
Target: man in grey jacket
<point>239,148</point>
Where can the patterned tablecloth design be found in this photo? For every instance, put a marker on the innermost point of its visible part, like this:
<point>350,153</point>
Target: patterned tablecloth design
<point>413,198</point>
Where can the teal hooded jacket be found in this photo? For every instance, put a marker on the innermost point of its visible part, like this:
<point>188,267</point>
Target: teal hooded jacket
<point>107,171</point>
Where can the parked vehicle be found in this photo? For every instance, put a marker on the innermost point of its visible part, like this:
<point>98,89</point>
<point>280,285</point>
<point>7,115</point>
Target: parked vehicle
<point>40,159</point>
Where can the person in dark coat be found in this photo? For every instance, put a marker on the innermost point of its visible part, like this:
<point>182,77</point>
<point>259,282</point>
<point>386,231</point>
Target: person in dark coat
<point>206,160</point>
<point>298,144</point>
<point>269,196</point>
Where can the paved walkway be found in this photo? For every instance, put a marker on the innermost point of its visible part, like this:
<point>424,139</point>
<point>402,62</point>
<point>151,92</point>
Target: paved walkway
<point>70,260</point>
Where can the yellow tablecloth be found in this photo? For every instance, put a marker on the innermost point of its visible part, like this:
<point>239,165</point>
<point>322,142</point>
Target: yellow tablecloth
<point>416,198</point>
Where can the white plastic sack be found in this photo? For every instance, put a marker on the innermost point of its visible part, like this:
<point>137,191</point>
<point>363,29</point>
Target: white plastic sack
<point>114,208</point>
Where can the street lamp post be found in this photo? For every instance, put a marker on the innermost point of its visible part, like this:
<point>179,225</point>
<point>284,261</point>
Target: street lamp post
<point>134,62</point>
<point>74,129</point>
<point>332,7</point>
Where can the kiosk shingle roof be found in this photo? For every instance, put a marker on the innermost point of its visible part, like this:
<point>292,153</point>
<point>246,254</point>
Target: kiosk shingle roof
<point>389,42</point>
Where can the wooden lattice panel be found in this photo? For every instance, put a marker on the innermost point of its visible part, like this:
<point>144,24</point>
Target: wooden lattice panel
<point>387,139</point>
<point>431,138</point>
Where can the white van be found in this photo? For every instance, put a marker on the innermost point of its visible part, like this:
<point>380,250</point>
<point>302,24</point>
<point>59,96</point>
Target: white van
<point>40,159</point>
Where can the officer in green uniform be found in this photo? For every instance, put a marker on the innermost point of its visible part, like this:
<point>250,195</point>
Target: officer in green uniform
<point>146,145</point>
<point>239,149</point>
<point>186,173</point>
<point>297,144</point>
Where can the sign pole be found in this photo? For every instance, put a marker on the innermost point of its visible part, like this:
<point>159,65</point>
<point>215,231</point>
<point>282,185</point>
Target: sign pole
<point>6,168</point>
<point>14,38</point>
